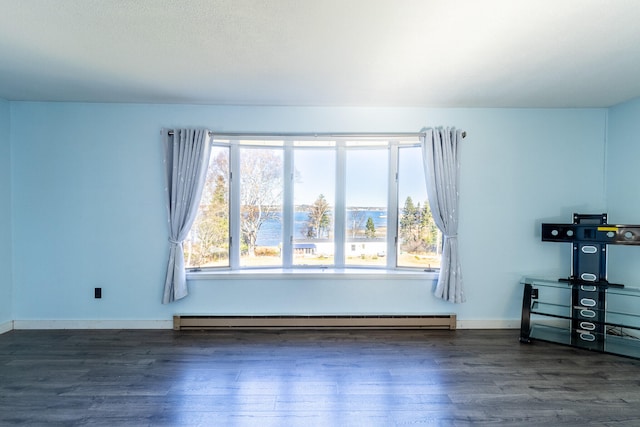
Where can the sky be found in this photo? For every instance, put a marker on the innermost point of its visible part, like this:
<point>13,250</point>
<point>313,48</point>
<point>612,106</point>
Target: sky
<point>367,172</point>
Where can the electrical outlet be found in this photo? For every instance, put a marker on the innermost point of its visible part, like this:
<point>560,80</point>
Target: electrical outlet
<point>97,293</point>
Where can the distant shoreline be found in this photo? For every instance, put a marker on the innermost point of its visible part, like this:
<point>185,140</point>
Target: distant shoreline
<point>270,233</point>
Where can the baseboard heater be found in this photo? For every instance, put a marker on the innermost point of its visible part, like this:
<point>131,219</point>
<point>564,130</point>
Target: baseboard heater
<point>436,321</point>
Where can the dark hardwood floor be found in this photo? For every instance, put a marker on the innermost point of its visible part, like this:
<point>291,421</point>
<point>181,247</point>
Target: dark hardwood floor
<point>309,378</point>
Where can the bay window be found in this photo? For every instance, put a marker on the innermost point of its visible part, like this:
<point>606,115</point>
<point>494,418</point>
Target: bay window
<point>314,201</point>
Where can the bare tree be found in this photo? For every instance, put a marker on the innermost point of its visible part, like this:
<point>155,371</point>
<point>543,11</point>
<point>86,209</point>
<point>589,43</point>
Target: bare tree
<point>356,220</point>
<point>319,219</point>
<point>260,192</point>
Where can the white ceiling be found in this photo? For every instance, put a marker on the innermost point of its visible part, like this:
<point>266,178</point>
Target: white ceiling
<point>432,53</point>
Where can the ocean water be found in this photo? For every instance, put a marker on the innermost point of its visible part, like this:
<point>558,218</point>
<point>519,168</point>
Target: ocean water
<point>270,233</point>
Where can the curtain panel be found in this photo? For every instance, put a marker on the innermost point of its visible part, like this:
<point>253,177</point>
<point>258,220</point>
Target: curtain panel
<point>440,149</point>
<point>186,157</point>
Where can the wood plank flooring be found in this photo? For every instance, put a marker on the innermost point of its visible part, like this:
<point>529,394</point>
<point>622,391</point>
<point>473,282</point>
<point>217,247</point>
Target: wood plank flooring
<point>309,378</point>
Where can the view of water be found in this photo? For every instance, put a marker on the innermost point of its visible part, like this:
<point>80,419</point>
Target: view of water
<point>271,231</point>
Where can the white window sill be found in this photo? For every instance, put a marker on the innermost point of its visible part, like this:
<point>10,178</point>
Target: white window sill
<point>312,273</point>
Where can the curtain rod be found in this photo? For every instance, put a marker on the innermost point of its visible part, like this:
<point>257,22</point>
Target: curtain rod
<point>319,134</point>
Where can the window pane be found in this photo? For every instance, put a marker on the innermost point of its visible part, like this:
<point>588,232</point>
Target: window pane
<point>207,244</point>
<point>420,241</point>
<point>314,202</point>
<point>261,192</point>
<point>366,203</point>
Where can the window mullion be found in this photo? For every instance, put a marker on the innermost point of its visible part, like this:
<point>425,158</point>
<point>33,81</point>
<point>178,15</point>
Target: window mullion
<point>392,203</point>
<point>340,209</point>
<point>288,208</point>
<point>234,223</point>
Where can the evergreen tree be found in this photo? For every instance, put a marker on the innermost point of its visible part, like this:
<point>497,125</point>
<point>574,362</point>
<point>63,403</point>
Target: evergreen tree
<point>418,231</point>
<point>370,229</point>
<point>408,223</point>
<point>210,232</point>
<point>431,233</point>
<point>407,220</point>
<point>213,228</point>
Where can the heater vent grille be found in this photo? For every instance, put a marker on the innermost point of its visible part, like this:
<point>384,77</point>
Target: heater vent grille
<point>436,321</point>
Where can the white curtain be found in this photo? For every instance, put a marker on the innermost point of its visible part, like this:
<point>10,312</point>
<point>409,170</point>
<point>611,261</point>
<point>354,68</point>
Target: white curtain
<point>442,171</point>
<point>186,157</point>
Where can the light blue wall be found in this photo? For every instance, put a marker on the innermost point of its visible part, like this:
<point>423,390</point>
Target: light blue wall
<point>623,187</point>
<point>6,312</point>
<point>89,208</point>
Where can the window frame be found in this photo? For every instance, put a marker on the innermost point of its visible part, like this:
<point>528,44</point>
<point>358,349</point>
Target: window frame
<point>340,144</point>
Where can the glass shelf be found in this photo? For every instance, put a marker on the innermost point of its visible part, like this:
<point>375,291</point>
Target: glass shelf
<point>551,334</point>
<point>549,310</point>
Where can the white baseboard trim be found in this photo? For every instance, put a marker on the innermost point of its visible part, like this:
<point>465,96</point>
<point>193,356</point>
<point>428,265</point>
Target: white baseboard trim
<point>488,324</point>
<point>93,324</point>
<point>6,327</point>
<point>168,324</point>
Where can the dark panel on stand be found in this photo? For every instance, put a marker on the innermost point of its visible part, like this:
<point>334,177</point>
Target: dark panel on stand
<point>588,316</point>
<point>589,236</point>
<point>607,234</point>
